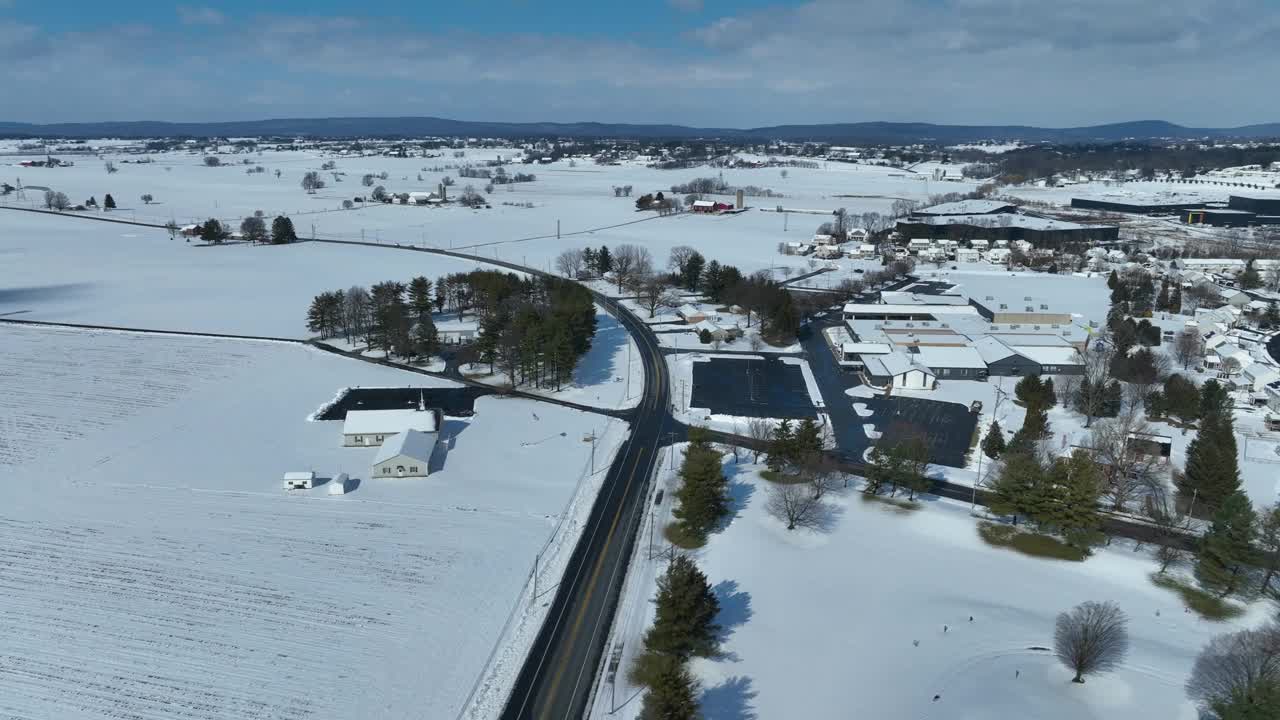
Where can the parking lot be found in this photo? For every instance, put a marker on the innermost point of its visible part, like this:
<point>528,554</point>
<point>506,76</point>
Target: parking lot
<point>751,388</point>
<point>947,427</point>
<point>453,401</point>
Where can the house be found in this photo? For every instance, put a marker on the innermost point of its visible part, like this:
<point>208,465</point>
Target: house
<point>1257,376</point>
<point>420,198</point>
<point>1235,298</point>
<point>952,363</point>
<point>917,245</point>
<point>405,454</point>
<point>857,235</point>
<point>714,331</point>
<point>979,244</point>
<point>1227,359</point>
<point>369,428</point>
<point>456,336</point>
<point>824,239</point>
<point>1272,391</point>
<point>967,256</point>
<point>828,252</point>
<point>898,370</point>
<point>998,256</point>
<point>691,314</point>
<point>1157,448</point>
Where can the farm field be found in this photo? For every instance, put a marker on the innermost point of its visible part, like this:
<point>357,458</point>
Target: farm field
<point>157,569</point>
<point>578,198</point>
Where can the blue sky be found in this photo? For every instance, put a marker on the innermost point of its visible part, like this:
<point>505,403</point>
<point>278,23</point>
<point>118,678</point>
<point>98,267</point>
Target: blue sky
<point>697,62</point>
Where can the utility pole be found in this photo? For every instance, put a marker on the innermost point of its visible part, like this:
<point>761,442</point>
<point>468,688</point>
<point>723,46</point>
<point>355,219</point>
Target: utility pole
<point>557,229</point>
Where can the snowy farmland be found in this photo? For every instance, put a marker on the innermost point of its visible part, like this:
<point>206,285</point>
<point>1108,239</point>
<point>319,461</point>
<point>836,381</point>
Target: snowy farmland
<point>158,570</point>
<point>578,199</point>
<point>880,579</point>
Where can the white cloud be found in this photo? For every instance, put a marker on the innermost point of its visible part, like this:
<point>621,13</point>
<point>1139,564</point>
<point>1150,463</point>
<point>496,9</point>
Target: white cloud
<point>1197,62</point>
<point>190,15</point>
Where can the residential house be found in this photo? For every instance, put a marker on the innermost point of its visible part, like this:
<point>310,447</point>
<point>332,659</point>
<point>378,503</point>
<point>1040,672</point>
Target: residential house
<point>369,428</point>
<point>691,314</point>
<point>405,454</point>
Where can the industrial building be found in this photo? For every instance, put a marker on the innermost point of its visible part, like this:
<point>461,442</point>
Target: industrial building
<point>1135,208</point>
<point>1257,205</point>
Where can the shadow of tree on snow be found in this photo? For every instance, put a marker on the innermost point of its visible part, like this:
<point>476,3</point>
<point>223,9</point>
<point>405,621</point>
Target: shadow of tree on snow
<point>730,700</point>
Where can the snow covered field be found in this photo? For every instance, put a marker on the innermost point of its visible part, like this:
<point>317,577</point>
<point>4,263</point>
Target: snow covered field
<point>881,580</point>
<point>157,569</point>
<point>579,198</point>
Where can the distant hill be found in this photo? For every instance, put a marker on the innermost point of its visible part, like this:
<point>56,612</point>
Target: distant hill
<point>863,132</point>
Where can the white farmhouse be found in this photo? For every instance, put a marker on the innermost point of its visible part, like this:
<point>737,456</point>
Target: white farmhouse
<point>369,428</point>
<point>405,454</point>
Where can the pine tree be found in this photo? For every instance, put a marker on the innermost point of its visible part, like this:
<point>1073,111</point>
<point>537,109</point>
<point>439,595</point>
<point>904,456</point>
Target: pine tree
<point>1269,544</point>
<point>426,339</point>
<point>282,231</point>
<point>1175,299</point>
<point>685,613</point>
<point>993,444</point>
<point>704,493</point>
<point>1077,486</point>
<point>604,260</point>
<point>420,299</point>
<point>712,284</point>
<point>1048,395</point>
<point>1028,391</point>
<point>1035,426</point>
<point>212,231</point>
<point>1162,300</point>
<point>109,203</point>
<point>316,316</point>
<point>1113,281</point>
<point>1249,278</point>
<point>1112,400</point>
<point>783,320</point>
<point>781,447</point>
<point>807,442</point>
<point>1015,486</point>
<point>673,692</point>
<point>1226,548</point>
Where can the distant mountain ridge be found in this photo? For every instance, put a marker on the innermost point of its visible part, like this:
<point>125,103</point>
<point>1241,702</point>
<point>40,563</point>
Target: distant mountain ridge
<point>861,132</point>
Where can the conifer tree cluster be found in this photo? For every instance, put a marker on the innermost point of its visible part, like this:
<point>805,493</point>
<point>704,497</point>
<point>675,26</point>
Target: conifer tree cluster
<point>901,464</point>
<point>684,627</point>
<point>704,492</point>
<point>1059,496</point>
<point>1213,470</point>
<point>536,329</point>
<point>792,449</point>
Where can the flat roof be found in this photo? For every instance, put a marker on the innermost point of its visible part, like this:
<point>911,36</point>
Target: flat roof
<point>1027,222</point>
<point>965,207</point>
<point>1048,355</point>
<point>951,357</point>
<point>900,308</point>
<point>384,422</point>
<point>865,348</point>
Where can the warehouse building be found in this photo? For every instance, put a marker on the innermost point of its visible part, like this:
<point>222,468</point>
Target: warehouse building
<point>1135,208</point>
<point>1256,205</point>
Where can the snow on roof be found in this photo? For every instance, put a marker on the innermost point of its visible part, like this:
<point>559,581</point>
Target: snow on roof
<point>865,348</point>
<point>385,422</point>
<point>1210,262</point>
<point>966,207</point>
<point>1048,355</point>
<point>300,475</point>
<point>687,309</point>
<point>892,365</point>
<point>1029,222</point>
<point>410,443</point>
<point>703,203</point>
<point>992,350</point>
<point>935,357</point>
<point>891,309</point>
<point>898,297</point>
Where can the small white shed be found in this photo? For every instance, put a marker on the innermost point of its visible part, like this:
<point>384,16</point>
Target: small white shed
<point>299,480</point>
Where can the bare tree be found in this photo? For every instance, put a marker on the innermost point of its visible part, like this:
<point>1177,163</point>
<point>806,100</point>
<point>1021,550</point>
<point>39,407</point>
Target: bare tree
<point>1171,528</point>
<point>1091,638</point>
<point>147,198</point>
<point>652,287</point>
<point>1125,469</point>
<point>311,181</point>
<point>795,504</point>
<point>347,204</point>
<point>1236,669</point>
<point>680,255</point>
<point>211,161</point>
<point>111,167</point>
<point>761,431</point>
<point>1188,347</point>
<point>570,262</point>
<point>755,341</point>
<point>254,229</point>
<point>631,261</point>
<point>56,200</point>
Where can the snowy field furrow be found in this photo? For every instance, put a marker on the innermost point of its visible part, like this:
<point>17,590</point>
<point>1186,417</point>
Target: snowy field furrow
<point>154,568</point>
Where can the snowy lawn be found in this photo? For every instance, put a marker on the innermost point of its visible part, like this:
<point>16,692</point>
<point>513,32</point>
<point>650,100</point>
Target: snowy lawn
<point>883,624</point>
<point>157,569</point>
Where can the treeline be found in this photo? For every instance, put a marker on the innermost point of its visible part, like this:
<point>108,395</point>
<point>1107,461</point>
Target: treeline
<point>717,186</point>
<point>535,329</point>
<point>252,229</point>
<point>1119,159</point>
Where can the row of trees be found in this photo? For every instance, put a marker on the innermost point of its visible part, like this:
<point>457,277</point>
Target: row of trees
<point>252,229</point>
<point>684,627</point>
<point>1058,495</point>
<point>390,316</point>
<point>704,492</point>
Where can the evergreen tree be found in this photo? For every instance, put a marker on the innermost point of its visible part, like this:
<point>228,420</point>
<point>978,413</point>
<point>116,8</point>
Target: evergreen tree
<point>426,340</point>
<point>1249,279</point>
<point>807,442</point>
<point>420,298</point>
<point>712,284</point>
<point>685,613</point>
<point>691,273</point>
<point>1162,300</point>
<point>1015,488</point>
<point>1035,426</point>
<point>604,260</point>
<point>1077,484</point>
<point>591,261</point>
<point>1227,547</point>
<point>993,444</point>
<point>212,231</point>
<point>1181,398</point>
<point>282,231</point>
<point>1175,299</point>
<point>109,203</point>
<point>1112,400</point>
<point>673,692</point>
<point>703,492</point>
<point>783,322</point>
<point>1113,281</point>
<point>781,447</point>
<point>1028,391</point>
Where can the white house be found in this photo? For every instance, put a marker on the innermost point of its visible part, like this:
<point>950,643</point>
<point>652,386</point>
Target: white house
<point>691,314</point>
<point>965,255</point>
<point>918,244</point>
<point>1258,375</point>
<point>998,255</point>
<point>979,244</point>
<point>897,369</point>
<point>405,454</point>
<point>824,239</point>
<point>299,480</point>
<point>1022,245</point>
<point>369,428</point>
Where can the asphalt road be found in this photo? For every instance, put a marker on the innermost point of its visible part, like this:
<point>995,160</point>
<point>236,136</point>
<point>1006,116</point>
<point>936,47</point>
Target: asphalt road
<point>558,673</point>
